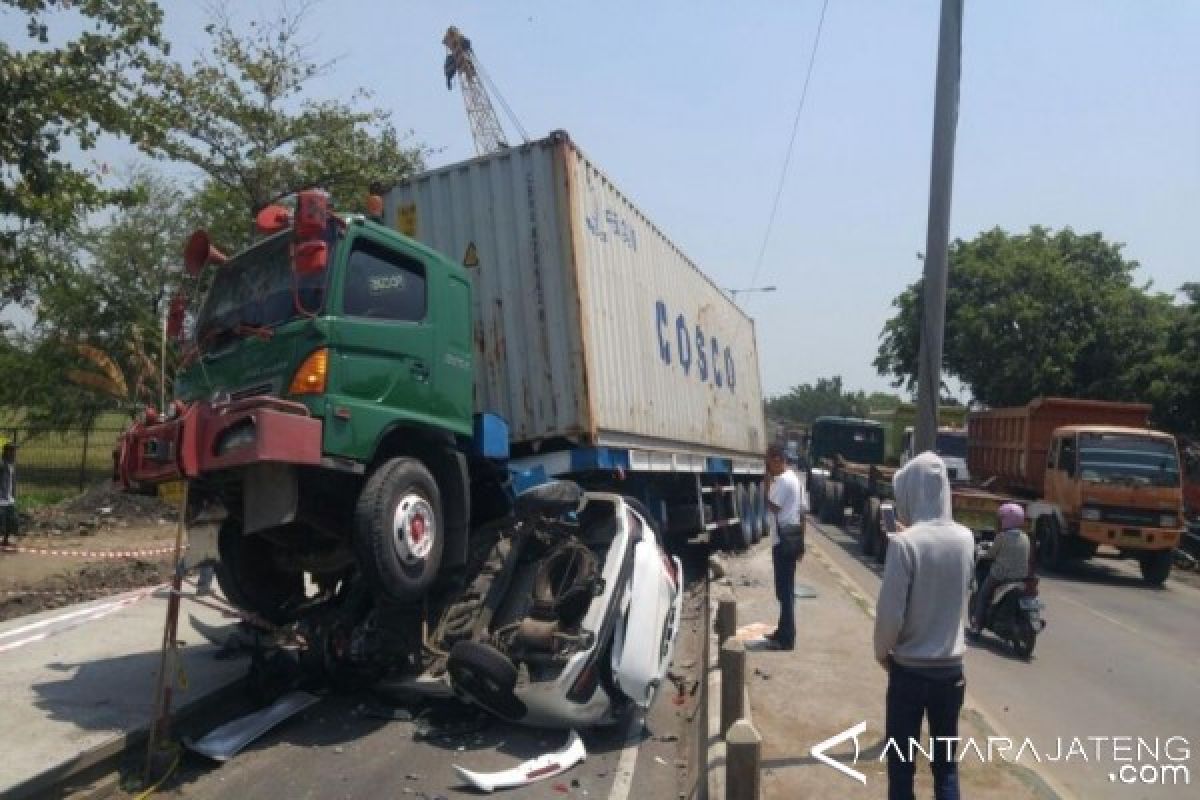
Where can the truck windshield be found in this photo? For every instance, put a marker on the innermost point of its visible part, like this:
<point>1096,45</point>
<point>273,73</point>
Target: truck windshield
<point>1120,458</point>
<point>952,444</point>
<point>255,288</point>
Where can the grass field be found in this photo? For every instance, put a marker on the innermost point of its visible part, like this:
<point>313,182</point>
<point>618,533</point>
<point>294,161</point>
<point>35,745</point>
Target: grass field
<point>51,463</point>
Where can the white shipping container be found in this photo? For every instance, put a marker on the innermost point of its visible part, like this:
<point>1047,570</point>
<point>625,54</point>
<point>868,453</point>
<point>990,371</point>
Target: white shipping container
<point>590,325</point>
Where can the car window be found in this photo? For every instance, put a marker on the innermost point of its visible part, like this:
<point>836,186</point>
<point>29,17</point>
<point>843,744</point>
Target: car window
<point>382,284</point>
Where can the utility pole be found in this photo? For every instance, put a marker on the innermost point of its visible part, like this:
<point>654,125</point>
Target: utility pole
<point>937,237</point>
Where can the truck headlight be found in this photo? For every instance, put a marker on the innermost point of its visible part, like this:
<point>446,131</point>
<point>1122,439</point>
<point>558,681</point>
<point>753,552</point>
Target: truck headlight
<point>1090,514</point>
<point>1168,521</point>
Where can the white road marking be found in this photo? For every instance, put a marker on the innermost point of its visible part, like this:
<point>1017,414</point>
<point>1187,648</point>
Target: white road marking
<point>623,781</point>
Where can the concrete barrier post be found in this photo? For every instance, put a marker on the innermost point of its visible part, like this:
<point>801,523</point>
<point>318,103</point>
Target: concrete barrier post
<point>726,624</point>
<point>743,761</point>
<point>732,661</point>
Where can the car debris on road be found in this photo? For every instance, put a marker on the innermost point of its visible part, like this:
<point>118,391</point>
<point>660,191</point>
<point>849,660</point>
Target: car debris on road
<point>531,771</point>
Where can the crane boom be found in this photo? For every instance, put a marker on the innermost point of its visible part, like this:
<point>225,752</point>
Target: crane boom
<point>460,61</point>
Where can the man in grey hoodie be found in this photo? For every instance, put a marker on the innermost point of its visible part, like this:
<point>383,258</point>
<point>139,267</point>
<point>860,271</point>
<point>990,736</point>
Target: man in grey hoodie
<point>919,626</point>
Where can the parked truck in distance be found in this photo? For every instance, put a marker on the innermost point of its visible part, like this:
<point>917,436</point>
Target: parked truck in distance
<point>898,421</point>
<point>357,403</point>
<point>1090,473</point>
<point>846,455</point>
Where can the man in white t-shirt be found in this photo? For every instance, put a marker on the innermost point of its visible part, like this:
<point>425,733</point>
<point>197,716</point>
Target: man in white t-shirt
<point>788,505</point>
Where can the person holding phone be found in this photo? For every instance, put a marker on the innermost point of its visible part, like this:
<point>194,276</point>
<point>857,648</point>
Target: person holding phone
<point>919,624</point>
<point>788,505</point>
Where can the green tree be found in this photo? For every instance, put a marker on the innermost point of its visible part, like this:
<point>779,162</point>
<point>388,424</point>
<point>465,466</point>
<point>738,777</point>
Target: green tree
<point>57,99</point>
<point>241,114</point>
<point>1173,379</point>
<point>95,343</point>
<point>827,397</point>
<point>1039,313</point>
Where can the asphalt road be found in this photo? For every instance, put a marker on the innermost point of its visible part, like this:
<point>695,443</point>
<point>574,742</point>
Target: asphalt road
<point>1118,658</point>
<point>342,747</point>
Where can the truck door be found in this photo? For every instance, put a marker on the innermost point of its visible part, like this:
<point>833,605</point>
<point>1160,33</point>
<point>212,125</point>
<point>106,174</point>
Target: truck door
<point>1060,472</point>
<point>385,336</point>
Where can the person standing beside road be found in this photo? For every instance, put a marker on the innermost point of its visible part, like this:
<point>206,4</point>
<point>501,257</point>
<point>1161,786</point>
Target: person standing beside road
<point>8,492</point>
<point>788,505</point>
<point>919,626</point>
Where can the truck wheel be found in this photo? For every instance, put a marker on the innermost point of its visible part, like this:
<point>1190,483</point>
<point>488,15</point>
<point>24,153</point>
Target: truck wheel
<point>869,526</point>
<point>398,534</point>
<point>837,503</point>
<point>1050,544</point>
<point>818,497</point>
<point>251,580</point>
<point>1156,566</point>
<point>484,675</point>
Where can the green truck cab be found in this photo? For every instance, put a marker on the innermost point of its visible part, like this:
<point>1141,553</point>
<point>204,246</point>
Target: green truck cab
<point>329,380</point>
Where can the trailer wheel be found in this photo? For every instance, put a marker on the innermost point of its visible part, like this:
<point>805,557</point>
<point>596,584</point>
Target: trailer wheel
<point>818,497</point>
<point>746,519</point>
<point>764,513</point>
<point>251,580</point>
<point>1050,544</point>
<point>1156,566</point>
<point>869,526</point>
<point>398,533</point>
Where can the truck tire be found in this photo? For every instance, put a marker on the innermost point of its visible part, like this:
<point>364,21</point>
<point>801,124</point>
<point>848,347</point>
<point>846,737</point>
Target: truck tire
<point>251,580</point>
<point>837,503</point>
<point>818,497</point>
<point>398,530</point>
<point>869,526</point>
<point>1050,544</point>
<point>1156,566</point>
<point>485,676</point>
<point>746,520</point>
<point>761,511</point>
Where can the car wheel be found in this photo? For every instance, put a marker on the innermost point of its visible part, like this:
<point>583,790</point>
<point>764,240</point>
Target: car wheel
<point>485,676</point>
<point>250,579</point>
<point>398,535</point>
<point>1156,567</point>
<point>869,526</point>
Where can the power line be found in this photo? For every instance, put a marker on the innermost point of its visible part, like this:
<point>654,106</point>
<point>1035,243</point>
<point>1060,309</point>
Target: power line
<point>787,160</point>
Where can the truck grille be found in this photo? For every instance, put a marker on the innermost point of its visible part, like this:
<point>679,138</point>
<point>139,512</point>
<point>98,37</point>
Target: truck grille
<point>1119,515</point>
<point>251,391</point>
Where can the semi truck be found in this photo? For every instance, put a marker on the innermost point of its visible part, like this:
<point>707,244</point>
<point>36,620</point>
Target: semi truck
<point>363,392</point>
<point>1088,473</point>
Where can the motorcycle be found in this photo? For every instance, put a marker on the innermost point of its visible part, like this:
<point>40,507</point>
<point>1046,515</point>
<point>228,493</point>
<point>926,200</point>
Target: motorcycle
<point>1015,611</point>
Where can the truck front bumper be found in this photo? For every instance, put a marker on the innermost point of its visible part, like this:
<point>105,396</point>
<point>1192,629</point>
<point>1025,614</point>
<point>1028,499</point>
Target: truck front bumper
<point>1131,538</point>
<point>207,438</point>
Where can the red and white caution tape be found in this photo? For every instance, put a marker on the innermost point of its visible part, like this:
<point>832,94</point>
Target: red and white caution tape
<point>44,629</point>
<point>45,551</point>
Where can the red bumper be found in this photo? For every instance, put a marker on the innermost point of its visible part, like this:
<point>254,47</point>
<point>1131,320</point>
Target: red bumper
<point>207,438</point>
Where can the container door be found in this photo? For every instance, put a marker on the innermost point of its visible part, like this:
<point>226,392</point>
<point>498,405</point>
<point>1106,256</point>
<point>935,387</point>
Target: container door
<point>385,338</point>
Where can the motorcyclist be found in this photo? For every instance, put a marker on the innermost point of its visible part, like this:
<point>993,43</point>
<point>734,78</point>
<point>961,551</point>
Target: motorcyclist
<point>1010,560</point>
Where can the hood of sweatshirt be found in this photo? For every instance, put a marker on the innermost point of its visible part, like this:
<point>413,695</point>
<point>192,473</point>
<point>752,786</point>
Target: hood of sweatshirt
<point>923,491</point>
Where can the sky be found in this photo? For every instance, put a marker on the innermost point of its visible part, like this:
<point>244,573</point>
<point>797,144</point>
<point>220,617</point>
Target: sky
<point>1083,114</point>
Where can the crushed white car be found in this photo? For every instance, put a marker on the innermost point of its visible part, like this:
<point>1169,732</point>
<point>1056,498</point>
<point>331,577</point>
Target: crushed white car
<point>570,618</point>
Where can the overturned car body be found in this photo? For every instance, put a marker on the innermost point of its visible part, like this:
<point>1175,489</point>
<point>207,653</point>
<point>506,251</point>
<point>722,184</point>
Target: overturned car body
<point>570,616</point>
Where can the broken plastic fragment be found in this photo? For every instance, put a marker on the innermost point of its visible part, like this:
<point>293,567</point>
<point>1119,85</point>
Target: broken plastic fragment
<point>536,769</point>
<point>228,740</point>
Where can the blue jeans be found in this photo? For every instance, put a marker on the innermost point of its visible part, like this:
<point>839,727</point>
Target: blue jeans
<point>909,698</point>
<point>783,559</point>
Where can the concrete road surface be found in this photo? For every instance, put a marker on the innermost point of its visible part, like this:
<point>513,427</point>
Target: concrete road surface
<point>1118,659</point>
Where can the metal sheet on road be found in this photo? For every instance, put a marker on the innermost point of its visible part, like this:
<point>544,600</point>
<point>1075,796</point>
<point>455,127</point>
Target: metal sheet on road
<point>1117,659</point>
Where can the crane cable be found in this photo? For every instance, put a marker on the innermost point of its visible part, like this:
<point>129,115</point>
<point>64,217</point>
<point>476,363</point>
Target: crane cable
<point>812,57</point>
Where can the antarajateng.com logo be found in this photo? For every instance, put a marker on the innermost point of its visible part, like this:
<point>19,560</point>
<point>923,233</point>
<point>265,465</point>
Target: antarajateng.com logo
<point>1131,760</point>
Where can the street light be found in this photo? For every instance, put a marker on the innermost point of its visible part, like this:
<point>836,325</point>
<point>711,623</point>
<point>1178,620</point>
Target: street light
<point>735,292</point>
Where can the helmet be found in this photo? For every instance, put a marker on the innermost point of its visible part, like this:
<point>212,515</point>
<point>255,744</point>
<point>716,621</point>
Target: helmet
<point>1011,516</point>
